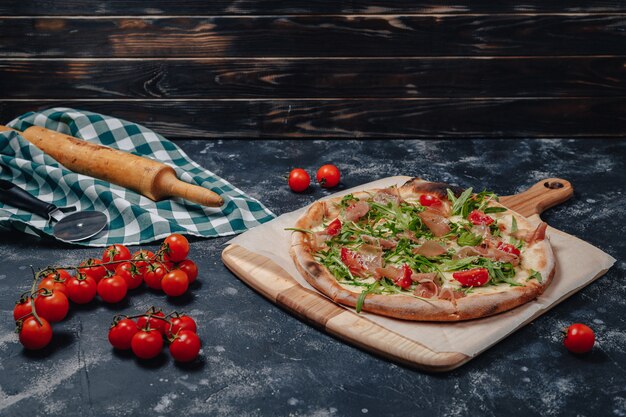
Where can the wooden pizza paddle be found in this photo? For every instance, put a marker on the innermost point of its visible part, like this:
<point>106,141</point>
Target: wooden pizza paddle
<point>148,177</point>
<point>278,286</point>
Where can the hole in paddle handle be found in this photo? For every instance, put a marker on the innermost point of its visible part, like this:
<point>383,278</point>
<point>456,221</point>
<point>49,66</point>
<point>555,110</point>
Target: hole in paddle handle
<point>553,185</point>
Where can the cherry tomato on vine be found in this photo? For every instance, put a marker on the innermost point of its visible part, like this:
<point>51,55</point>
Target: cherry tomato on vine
<point>185,347</point>
<point>328,176</point>
<point>175,283</point>
<point>81,289</point>
<point>52,305</point>
<point>34,335</point>
<point>142,259</point>
<point>22,308</point>
<point>112,289</point>
<point>299,180</point>
<point>53,284</point>
<point>144,322</point>
<point>115,253</point>
<point>472,277</point>
<point>181,322</point>
<point>147,344</point>
<point>153,276</point>
<point>176,247</point>
<point>579,339</point>
<point>130,273</point>
<point>95,271</point>
<point>190,268</point>
<point>121,334</point>
<point>429,200</point>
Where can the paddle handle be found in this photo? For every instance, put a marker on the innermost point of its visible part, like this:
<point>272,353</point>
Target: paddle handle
<point>545,194</point>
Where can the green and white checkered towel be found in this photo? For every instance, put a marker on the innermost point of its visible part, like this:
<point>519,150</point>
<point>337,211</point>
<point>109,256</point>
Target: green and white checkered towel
<point>133,219</point>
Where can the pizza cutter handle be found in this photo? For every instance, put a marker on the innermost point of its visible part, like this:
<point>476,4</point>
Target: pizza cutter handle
<point>15,196</point>
<point>540,197</point>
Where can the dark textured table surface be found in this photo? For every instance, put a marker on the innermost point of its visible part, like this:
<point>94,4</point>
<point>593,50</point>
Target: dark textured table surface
<point>258,360</point>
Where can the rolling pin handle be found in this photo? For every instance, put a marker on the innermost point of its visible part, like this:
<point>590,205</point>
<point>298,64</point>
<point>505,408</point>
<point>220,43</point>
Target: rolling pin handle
<point>170,186</point>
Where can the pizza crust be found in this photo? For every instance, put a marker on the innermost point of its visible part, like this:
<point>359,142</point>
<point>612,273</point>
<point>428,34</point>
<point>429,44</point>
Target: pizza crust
<point>406,307</point>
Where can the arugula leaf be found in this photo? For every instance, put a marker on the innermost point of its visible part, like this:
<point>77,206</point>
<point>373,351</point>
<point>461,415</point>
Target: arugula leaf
<point>459,203</point>
<point>457,264</point>
<point>370,288</point>
<point>295,229</point>
<point>535,275</point>
<point>513,225</point>
<point>469,239</point>
<point>494,210</point>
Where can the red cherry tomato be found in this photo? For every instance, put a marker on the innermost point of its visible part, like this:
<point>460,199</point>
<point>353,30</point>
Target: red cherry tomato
<point>112,289</point>
<point>130,273</point>
<point>507,247</point>
<point>472,277</point>
<point>34,335</point>
<point>405,281</point>
<point>579,339</point>
<point>121,334</point>
<point>81,289</point>
<point>478,217</point>
<point>175,283</point>
<point>328,176</point>
<point>115,253</point>
<point>299,180</point>
<point>148,321</point>
<point>147,344</point>
<point>153,275</point>
<point>176,247</point>
<point>352,260</point>
<point>190,268</point>
<point>334,227</point>
<point>53,284</point>
<point>22,308</point>
<point>429,200</point>
<point>52,306</point>
<point>95,269</point>
<point>142,259</point>
<point>179,323</point>
<point>185,347</point>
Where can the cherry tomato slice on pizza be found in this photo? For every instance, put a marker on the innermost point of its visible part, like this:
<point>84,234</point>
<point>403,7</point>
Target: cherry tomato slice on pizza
<point>405,281</point>
<point>508,248</point>
<point>334,228</point>
<point>472,277</point>
<point>477,217</point>
<point>429,200</point>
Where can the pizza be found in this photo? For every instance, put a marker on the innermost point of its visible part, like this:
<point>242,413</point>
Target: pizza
<point>422,251</point>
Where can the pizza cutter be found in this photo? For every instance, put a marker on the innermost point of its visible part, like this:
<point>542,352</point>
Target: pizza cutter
<point>70,226</point>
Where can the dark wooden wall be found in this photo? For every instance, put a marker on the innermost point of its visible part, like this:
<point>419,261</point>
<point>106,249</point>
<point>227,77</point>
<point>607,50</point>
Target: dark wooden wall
<point>271,69</point>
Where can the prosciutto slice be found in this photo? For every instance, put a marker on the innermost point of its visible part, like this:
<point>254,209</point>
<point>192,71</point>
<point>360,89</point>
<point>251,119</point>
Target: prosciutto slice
<point>388,195</point>
<point>437,223</point>
<point>426,289</point>
<point>449,294</point>
<point>429,249</point>
<point>377,241</point>
<point>538,234</point>
<point>357,210</point>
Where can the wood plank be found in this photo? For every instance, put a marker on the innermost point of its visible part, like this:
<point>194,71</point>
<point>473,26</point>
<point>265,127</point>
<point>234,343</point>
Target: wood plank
<point>322,78</point>
<point>261,7</point>
<point>409,118</point>
<point>314,36</point>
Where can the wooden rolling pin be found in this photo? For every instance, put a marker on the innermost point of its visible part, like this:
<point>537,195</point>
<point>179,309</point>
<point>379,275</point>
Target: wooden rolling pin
<point>153,179</point>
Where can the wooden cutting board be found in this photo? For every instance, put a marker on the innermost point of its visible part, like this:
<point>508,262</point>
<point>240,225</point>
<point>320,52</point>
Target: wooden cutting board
<point>278,286</point>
